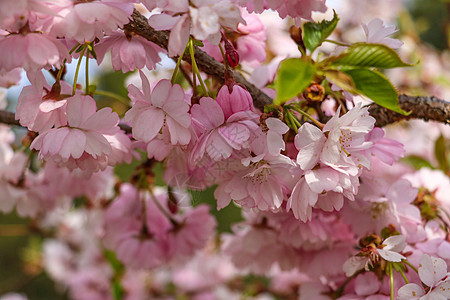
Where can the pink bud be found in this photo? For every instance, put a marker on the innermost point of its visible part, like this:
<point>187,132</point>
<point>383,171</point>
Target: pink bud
<point>231,54</point>
<point>238,100</point>
<point>232,58</point>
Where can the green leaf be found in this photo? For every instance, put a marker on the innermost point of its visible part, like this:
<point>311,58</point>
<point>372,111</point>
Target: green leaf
<point>198,43</point>
<point>377,87</point>
<point>293,76</point>
<point>315,33</point>
<point>441,153</point>
<point>342,80</point>
<point>369,55</point>
<point>417,162</point>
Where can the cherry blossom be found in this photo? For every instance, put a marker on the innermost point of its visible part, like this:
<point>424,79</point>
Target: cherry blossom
<point>204,21</point>
<point>33,51</point>
<point>432,272</point>
<point>164,106</point>
<point>81,144</point>
<point>85,21</point>
<point>128,52</point>
<point>376,32</point>
<point>41,107</point>
<point>293,8</point>
<point>220,136</point>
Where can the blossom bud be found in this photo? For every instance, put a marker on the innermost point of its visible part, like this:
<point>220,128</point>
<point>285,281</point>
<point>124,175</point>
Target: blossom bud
<point>232,58</point>
<point>172,204</point>
<point>231,54</point>
<point>296,34</point>
<point>238,100</point>
<point>28,139</point>
<point>315,92</point>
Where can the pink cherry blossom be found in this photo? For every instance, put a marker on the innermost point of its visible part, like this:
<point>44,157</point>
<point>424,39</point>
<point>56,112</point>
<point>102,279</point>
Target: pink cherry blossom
<point>238,100</point>
<point>432,272</point>
<point>392,246</point>
<point>133,232</point>
<point>262,182</point>
<point>39,108</point>
<point>164,106</point>
<point>293,8</point>
<point>386,203</point>
<point>275,142</point>
<point>81,144</point>
<point>384,149</point>
<point>85,21</point>
<point>192,232</point>
<point>377,33</point>
<point>14,15</point>
<point>346,139</point>
<point>219,137</point>
<point>325,188</point>
<point>251,45</point>
<point>204,21</point>
<point>128,52</point>
<point>32,51</point>
<point>10,78</point>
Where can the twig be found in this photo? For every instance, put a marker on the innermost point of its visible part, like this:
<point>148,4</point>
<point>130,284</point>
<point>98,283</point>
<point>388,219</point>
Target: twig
<point>426,108</point>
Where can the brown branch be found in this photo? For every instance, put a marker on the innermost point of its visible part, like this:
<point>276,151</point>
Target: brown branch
<point>8,118</point>
<point>426,108</point>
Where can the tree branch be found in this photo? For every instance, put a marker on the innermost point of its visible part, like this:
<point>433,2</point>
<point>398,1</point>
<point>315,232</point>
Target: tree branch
<point>8,118</point>
<point>427,108</point>
<point>421,107</point>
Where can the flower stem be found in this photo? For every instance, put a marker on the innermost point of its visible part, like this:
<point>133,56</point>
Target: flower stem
<point>61,70</point>
<point>404,276</point>
<point>78,70</point>
<point>114,96</point>
<point>337,43</point>
<point>165,213</point>
<point>180,58</point>
<point>411,266</point>
<point>87,70</point>
<point>391,278</point>
<point>320,125</point>
<point>225,62</point>
<point>295,124</point>
<point>74,48</point>
<point>195,68</point>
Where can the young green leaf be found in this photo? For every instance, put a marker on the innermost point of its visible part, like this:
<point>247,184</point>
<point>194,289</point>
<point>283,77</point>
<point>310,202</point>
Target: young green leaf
<point>315,33</point>
<point>377,87</point>
<point>342,80</point>
<point>441,153</point>
<point>293,76</point>
<point>417,162</point>
<point>369,55</point>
